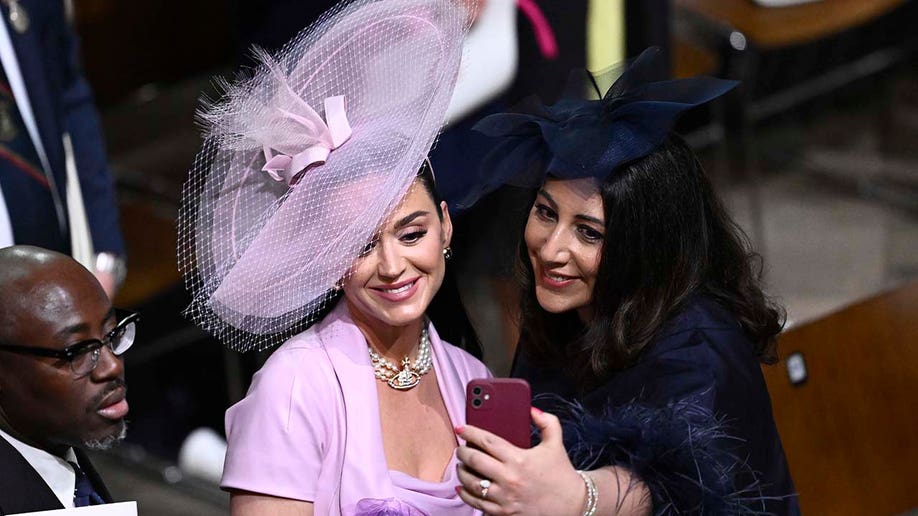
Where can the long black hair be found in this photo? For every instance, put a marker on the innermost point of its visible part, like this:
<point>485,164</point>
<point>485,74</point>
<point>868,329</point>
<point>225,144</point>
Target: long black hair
<point>446,310</point>
<point>667,237</point>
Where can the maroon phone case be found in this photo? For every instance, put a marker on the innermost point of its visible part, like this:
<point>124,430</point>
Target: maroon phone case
<point>502,408</point>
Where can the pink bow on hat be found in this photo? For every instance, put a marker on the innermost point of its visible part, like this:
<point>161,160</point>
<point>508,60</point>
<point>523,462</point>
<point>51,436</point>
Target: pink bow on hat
<point>328,136</point>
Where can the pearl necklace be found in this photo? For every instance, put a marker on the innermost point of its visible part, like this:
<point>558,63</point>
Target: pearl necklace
<point>410,374</point>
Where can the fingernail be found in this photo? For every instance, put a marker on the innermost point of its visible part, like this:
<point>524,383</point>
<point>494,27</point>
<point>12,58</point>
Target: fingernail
<point>537,410</point>
<point>459,429</point>
<point>458,488</point>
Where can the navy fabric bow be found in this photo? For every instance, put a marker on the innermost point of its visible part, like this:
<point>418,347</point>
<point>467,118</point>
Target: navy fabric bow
<point>579,137</point>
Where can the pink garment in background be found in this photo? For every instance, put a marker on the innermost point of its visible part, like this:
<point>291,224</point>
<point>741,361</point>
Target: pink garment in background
<point>545,36</point>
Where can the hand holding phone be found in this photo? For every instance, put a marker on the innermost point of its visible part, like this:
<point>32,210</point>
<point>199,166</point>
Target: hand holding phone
<point>500,406</point>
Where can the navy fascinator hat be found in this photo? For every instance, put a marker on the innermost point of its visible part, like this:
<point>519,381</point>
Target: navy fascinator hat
<point>588,137</point>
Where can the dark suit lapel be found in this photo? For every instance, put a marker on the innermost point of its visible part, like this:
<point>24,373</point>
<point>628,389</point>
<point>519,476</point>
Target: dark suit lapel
<point>93,475</point>
<point>21,487</point>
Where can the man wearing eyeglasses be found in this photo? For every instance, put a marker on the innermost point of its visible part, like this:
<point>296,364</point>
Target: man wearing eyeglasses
<point>62,384</point>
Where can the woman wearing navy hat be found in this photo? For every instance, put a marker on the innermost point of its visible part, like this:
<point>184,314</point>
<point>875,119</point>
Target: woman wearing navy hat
<point>643,322</point>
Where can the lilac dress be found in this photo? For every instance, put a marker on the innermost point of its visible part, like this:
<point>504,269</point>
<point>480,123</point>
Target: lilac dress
<point>309,427</point>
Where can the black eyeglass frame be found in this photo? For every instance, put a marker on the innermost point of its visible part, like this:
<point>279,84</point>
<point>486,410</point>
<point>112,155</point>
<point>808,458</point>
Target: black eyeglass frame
<point>70,353</point>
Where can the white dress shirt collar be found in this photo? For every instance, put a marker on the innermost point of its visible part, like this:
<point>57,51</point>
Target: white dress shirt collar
<point>6,228</point>
<point>55,471</point>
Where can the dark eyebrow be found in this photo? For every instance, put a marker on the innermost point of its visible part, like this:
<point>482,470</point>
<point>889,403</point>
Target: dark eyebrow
<point>549,198</point>
<point>404,221</point>
<point>554,205</point>
<point>83,327</point>
<point>590,219</point>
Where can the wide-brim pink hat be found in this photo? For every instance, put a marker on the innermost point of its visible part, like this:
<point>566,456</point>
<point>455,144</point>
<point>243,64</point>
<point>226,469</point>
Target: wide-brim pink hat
<point>304,159</point>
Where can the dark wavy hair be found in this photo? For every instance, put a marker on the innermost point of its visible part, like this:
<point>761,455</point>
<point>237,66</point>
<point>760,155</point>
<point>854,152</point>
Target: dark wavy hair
<point>667,237</point>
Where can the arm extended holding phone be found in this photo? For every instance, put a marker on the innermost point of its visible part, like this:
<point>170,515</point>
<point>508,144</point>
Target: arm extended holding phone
<point>501,474</point>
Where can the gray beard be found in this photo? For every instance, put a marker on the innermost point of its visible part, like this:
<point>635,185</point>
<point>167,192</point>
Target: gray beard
<point>108,441</point>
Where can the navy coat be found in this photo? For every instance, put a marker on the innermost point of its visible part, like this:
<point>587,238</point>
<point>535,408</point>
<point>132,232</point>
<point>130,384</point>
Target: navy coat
<point>701,364</point>
<point>61,100</point>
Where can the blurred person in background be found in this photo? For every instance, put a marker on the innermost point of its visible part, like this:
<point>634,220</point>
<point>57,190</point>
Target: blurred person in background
<point>56,188</point>
<point>62,386</point>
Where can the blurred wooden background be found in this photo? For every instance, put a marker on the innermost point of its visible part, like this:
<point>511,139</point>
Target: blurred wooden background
<point>850,431</point>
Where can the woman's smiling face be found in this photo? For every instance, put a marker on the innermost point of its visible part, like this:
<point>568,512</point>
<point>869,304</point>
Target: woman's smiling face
<point>564,239</point>
<point>396,278</point>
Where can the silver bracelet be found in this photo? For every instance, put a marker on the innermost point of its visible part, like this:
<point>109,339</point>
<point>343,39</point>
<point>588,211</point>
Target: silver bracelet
<point>592,500</point>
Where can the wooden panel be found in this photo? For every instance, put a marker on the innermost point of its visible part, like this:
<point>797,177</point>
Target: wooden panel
<point>850,431</point>
<point>775,27</point>
<point>690,60</point>
<point>149,233</point>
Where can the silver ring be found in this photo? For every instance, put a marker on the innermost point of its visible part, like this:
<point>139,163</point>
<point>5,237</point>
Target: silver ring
<point>485,484</point>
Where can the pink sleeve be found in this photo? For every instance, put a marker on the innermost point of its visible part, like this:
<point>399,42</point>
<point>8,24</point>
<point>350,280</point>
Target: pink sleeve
<point>277,435</point>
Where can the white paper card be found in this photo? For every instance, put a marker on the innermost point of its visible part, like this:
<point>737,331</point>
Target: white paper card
<point>109,509</point>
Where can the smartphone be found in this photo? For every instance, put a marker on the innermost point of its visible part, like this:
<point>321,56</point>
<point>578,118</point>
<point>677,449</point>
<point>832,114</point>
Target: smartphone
<point>500,406</point>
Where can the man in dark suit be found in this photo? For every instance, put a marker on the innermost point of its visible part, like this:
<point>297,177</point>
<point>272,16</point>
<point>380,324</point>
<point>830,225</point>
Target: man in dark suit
<point>49,124</point>
<point>62,384</point>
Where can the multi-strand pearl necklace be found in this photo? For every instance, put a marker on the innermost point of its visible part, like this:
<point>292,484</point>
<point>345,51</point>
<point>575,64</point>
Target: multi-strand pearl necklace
<point>409,375</point>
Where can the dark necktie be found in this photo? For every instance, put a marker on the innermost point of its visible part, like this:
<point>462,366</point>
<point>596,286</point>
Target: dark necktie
<point>83,493</point>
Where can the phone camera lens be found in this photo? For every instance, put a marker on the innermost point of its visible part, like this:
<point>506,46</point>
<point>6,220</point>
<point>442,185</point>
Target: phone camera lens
<point>476,402</point>
<point>476,391</point>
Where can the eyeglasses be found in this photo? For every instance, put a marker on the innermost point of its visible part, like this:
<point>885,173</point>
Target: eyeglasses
<point>84,356</point>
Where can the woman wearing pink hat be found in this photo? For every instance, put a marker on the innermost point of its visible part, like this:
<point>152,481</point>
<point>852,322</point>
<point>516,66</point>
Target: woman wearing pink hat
<point>306,221</point>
